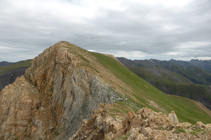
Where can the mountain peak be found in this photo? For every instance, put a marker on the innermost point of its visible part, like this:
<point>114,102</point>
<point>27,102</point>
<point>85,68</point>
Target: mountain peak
<point>63,86</point>
<point>58,90</point>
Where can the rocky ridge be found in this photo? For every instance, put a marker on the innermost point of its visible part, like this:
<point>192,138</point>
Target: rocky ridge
<point>52,98</point>
<point>66,83</point>
<point>146,124</point>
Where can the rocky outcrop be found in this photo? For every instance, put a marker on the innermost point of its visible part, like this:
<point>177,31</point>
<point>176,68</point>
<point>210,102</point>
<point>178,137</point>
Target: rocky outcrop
<point>18,105</point>
<point>10,76</point>
<point>53,96</point>
<point>144,125</point>
<point>63,86</point>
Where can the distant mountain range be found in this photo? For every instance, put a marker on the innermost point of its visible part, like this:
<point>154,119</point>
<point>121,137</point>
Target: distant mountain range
<point>5,63</point>
<point>66,84</point>
<point>204,64</point>
<point>181,78</point>
<point>193,70</point>
<point>10,71</point>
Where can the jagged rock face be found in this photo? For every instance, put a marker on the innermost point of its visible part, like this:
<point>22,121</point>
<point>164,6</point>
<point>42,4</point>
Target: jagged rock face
<point>144,125</point>
<point>52,98</point>
<point>18,106</point>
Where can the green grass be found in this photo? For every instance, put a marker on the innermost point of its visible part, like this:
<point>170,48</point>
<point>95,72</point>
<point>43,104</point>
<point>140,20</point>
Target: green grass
<point>194,133</point>
<point>179,130</point>
<point>174,83</point>
<point>124,137</point>
<point>195,74</point>
<point>186,110</point>
<point>197,131</point>
<point>25,63</point>
<point>160,75</point>
<point>88,65</point>
<point>83,58</point>
<point>192,91</point>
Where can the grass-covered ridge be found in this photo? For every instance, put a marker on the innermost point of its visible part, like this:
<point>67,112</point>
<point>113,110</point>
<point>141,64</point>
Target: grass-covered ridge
<point>25,63</point>
<point>144,94</point>
<point>171,83</point>
<point>135,91</point>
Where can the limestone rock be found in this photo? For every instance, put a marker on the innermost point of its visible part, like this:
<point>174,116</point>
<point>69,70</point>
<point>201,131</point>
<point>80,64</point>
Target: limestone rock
<point>208,127</point>
<point>56,97</point>
<point>53,97</point>
<point>109,136</point>
<point>18,106</point>
<point>184,125</point>
<point>134,132</point>
<point>151,125</point>
<point>199,125</point>
<point>173,117</point>
<point>147,131</point>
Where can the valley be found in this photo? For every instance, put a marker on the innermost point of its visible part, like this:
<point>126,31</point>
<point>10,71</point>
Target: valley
<point>163,76</point>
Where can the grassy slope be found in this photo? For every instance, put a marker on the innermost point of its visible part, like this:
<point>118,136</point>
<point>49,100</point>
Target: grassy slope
<point>195,74</point>
<point>160,74</point>
<point>174,83</point>
<point>25,63</point>
<point>185,109</point>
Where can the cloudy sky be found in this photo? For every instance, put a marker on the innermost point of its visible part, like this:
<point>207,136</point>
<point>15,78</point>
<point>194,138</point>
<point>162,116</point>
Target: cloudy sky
<point>135,29</point>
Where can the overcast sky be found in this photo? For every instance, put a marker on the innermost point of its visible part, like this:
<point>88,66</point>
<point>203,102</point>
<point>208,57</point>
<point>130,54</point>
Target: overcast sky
<point>135,29</point>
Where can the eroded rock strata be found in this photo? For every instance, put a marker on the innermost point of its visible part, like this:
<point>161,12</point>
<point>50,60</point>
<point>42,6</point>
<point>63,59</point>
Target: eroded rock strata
<point>59,92</point>
<point>52,98</point>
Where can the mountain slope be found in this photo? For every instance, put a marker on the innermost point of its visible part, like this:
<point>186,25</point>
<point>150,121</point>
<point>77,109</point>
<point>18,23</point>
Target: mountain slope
<point>204,64</point>
<point>195,74</point>
<point>144,94</point>
<point>5,63</point>
<point>12,67</point>
<point>8,74</point>
<point>173,83</point>
<point>160,74</point>
<point>66,83</point>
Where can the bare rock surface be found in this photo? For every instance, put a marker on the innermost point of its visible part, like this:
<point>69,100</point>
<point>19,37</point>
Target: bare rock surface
<point>56,97</point>
<point>144,125</point>
<point>52,98</point>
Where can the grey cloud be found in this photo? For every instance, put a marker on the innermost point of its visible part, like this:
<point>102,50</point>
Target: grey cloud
<point>152,29</point>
